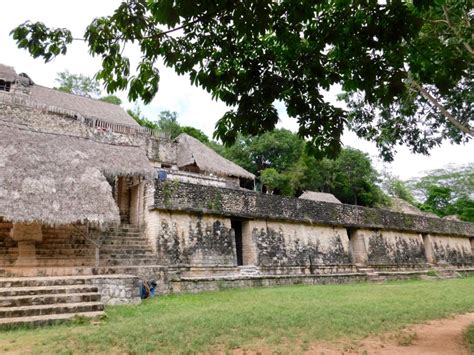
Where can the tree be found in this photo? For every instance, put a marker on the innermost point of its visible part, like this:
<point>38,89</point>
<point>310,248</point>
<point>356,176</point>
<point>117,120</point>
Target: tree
<point>438,201</point>
<point>168,124</point>
<point>459,180</point>
<point>78,84</point>
<point>355,179</point>
<point>397,188</point>
<point>82,85</point>
<point>111,99</point>
<point>278,149</point>
<point>436,99</point>
<point>196,133</point>
<point>136,114</point>
<point>400,63</point>
<point>464,208</point>
<point>282,163</point>
<point>448,191</point>
<point>276,182</point>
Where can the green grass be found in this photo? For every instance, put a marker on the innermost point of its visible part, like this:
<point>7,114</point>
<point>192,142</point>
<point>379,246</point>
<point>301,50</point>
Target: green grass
<point>470,337</point>
<point>276,319</point>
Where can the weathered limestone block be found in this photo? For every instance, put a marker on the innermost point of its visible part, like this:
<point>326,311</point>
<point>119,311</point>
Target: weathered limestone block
<point>27,231</point>
<point>196,240</point>
<point>291,244</point>
<point>118,289</point>
<point>393,248</point>
<point>429,252</point>
<point>451,250</point>
<point>26,234</point>
<point>358,248</point>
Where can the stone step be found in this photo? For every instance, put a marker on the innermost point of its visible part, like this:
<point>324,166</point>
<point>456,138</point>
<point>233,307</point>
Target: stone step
<point>125,245</point>
<point>70,251</point>
<point>127,257</point>
<point>6,323</point>
<point>126,253</point>
<point>46,299</point>
<point>123,233</point>
<point>64,260</point>
<point>126,250</point>
<point>38,310</point>
<point>64,244</point>
<point>48,290</point>
<point>131,240</point>
<point>127,262</point>
<point>44,281</point>
<point>139,270</point>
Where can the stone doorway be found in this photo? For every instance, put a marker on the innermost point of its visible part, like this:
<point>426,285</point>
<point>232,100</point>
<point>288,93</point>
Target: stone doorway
<point>129,195</point>
<point>245,248</point>
<point>236,225</point>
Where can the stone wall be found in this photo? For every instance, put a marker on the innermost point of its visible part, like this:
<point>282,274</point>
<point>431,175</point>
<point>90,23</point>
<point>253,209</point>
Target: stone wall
<point>248,204</point>
<point>393,248</point>
<point>192,239</point>
<point>119,289</point>
<point>291,244</point>
<point>451,250</point>
<point>287,235</point>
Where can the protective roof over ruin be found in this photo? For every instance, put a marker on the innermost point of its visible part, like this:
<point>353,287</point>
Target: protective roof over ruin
<point>192,152</point>
<point>319,196</point>
<point>7,73</point>
<point>60,179</point>
<point>402,206</point>
<point>85,106</point>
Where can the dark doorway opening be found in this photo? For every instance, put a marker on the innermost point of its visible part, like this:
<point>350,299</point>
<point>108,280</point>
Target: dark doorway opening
<point>237,227</point>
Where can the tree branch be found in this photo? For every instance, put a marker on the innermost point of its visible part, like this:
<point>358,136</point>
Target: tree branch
<point>423,92</point>
<point>456,33</point>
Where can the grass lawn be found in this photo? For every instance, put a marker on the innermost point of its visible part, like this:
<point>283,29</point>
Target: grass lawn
<point>278,319</point>
<point>470,337</point>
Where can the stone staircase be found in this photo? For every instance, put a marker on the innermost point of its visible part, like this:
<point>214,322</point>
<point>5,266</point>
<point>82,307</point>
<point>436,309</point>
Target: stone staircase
<point>126,245</point>
<point>70,250</point>
<point>47,300</point>
<point>8,247</point>
<point>372,275</point>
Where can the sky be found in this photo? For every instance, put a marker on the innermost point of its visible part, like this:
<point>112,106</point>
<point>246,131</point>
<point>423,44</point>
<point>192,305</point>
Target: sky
<point>193,105</point>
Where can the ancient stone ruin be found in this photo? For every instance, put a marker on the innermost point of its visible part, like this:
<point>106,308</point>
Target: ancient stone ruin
<point>91,204</point>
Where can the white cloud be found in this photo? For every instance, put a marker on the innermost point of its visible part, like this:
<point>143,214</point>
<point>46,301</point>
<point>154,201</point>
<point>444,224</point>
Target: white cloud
<point>194,106</point>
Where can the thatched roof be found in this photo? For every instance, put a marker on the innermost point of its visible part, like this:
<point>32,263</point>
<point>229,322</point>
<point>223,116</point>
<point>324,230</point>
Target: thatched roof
<point>402,206</point>
<point>57,179</point>
<point>7,73</point>
<point>193,152</point>
<point>86,106</point>
<point>319,196</point>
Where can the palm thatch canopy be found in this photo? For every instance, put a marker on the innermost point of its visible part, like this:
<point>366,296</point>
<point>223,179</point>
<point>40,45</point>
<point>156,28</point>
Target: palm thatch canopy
<point>402,206</point>
<point>7,73</point>
<point>86,106</point>
<point>192,152</point>
<point>58,179</point>
<point>319,196</point>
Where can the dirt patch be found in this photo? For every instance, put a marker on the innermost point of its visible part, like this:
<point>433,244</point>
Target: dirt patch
<point>443,337</point>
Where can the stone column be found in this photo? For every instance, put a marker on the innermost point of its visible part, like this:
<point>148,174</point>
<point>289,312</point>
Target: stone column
<point>428,244</point>
<point>358,249</point>
<point>472,250</point>
<point>26,234</point>
<point>249,249</point>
